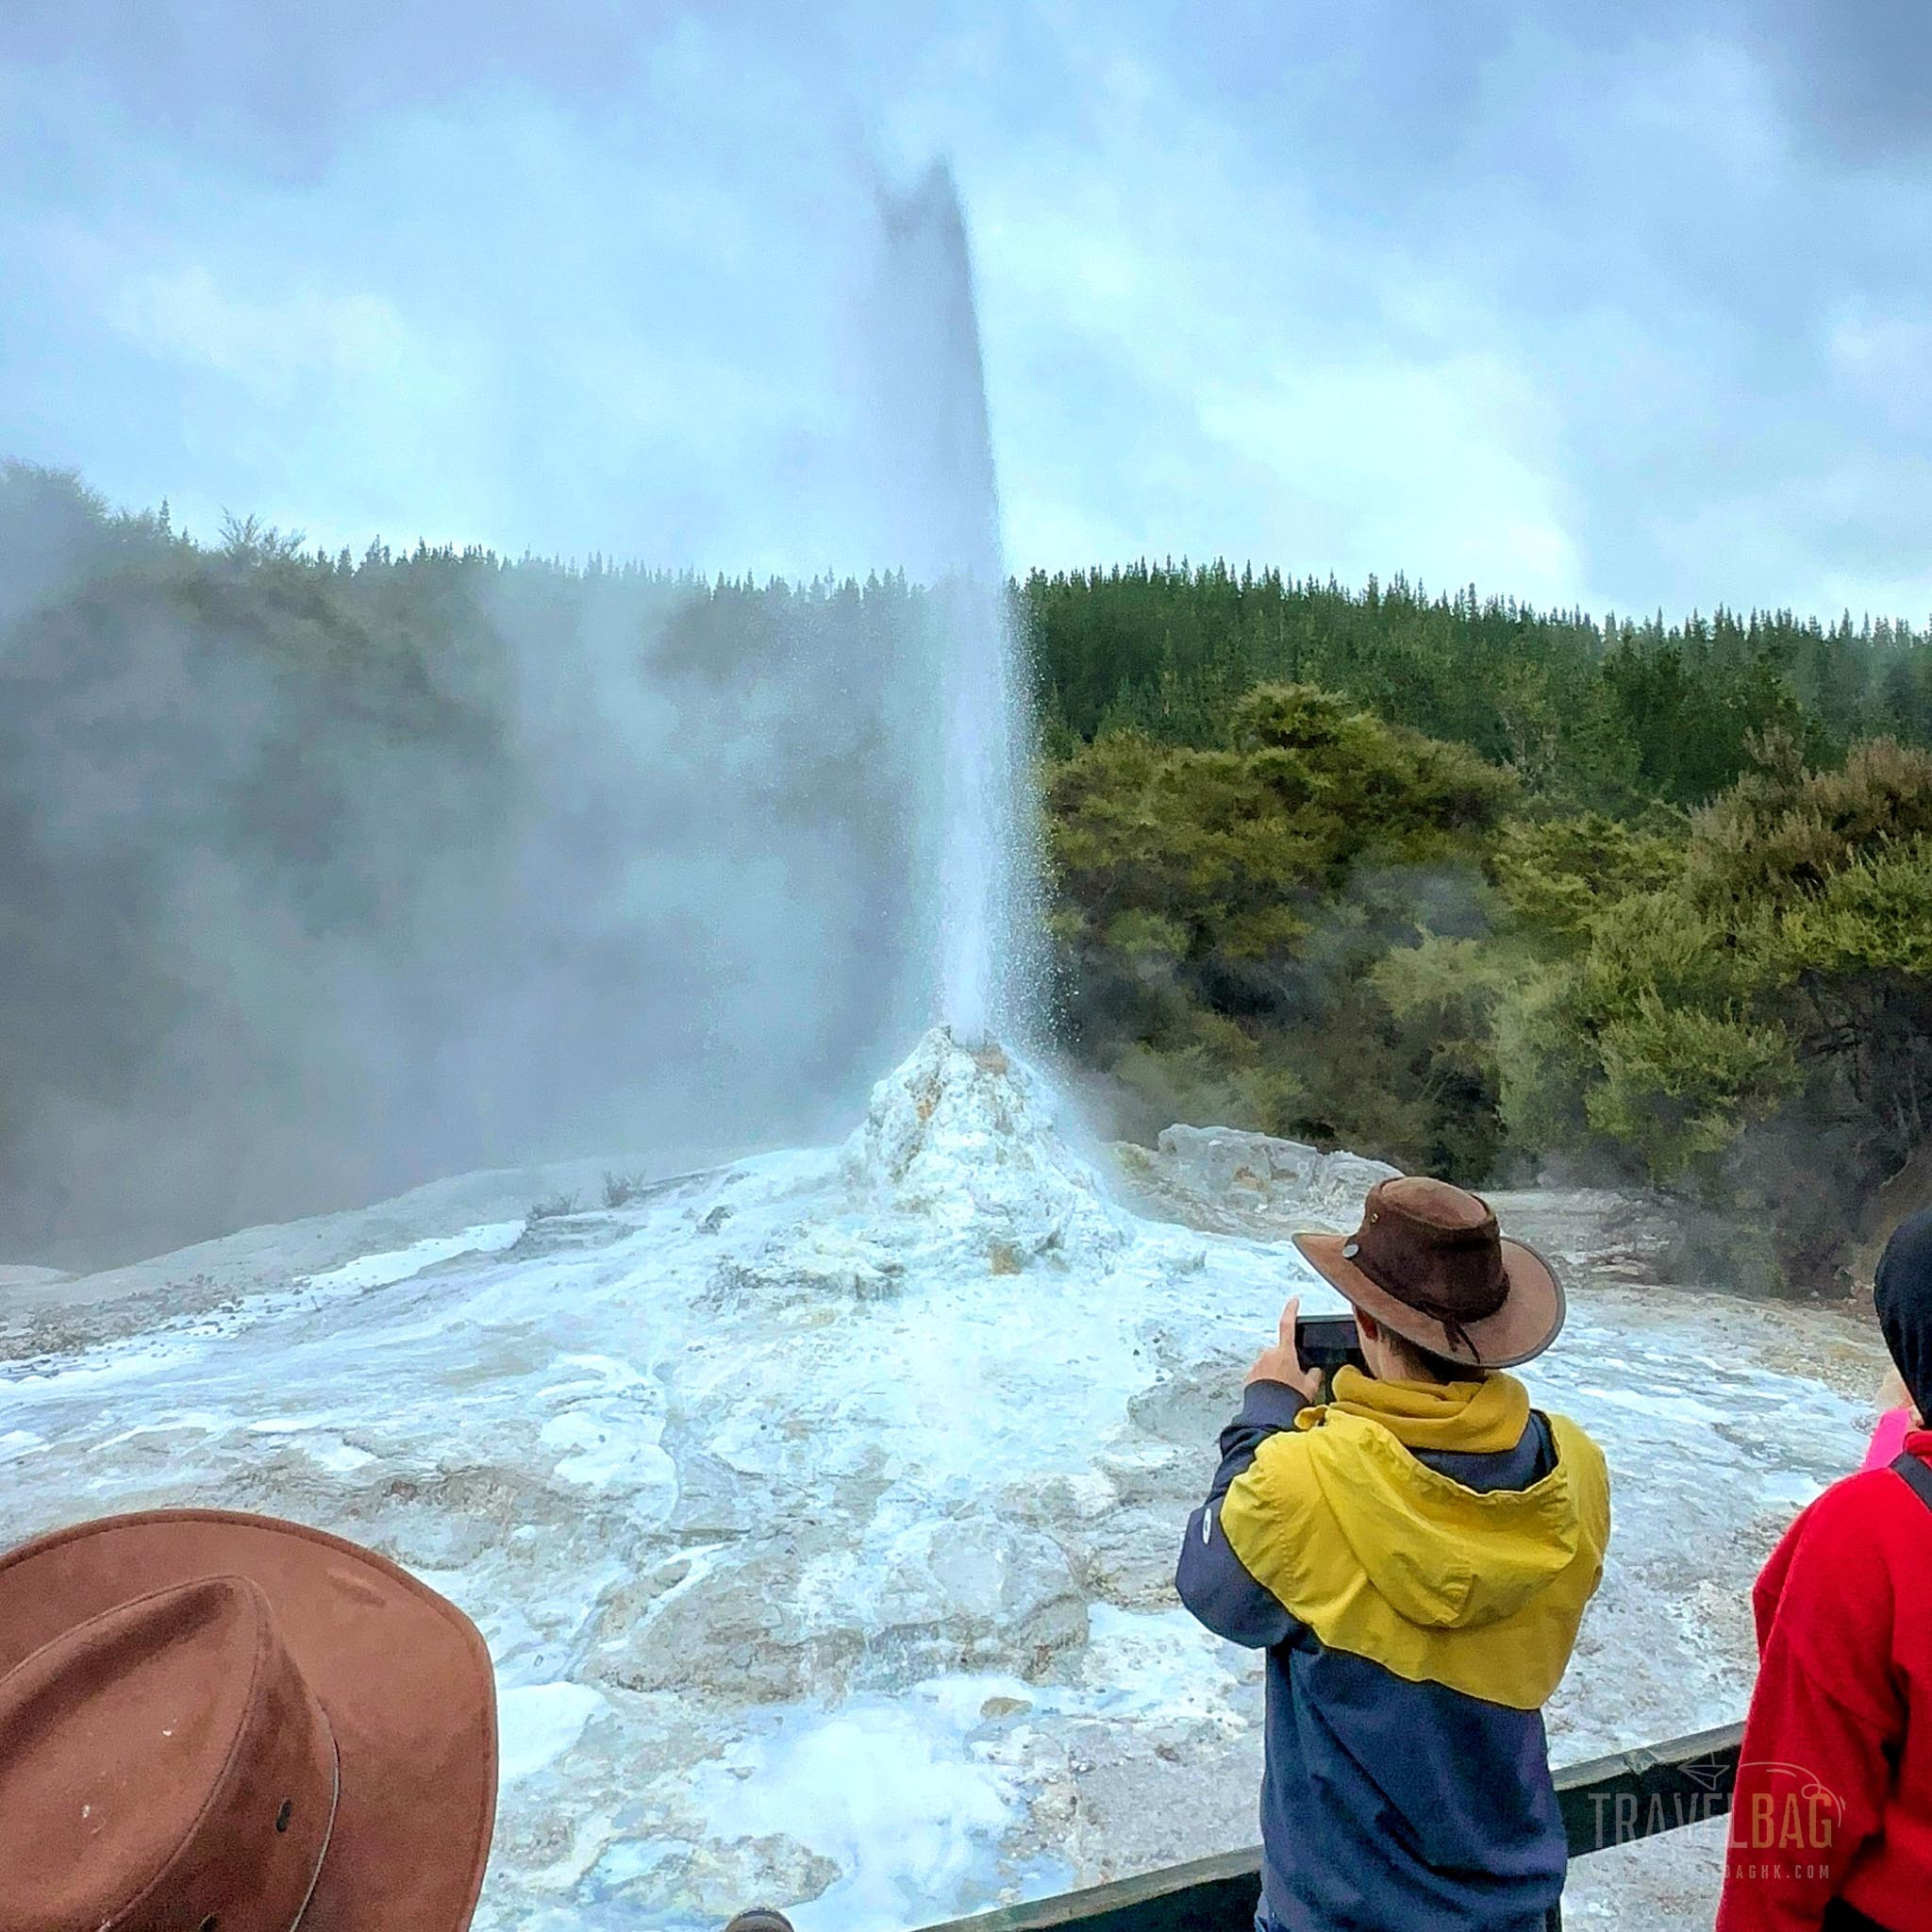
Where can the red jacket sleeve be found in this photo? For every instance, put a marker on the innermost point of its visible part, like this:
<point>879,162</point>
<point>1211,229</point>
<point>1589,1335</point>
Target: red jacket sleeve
<point>1815,1769</point>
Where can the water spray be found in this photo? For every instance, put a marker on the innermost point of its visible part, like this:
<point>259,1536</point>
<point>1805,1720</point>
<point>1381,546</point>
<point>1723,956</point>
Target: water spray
<point>983,847</point>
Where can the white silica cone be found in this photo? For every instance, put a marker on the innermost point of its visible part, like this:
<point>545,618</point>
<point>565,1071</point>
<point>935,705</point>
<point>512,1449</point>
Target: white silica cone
<point>966,1142</point>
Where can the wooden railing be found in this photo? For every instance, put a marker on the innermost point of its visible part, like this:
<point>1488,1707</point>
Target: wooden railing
<point>1606,1802</point>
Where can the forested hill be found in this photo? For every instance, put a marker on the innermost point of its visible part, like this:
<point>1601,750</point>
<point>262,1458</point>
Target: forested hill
<point>1489,891</point>
<point>1615,713</point>
<point>322,874</point>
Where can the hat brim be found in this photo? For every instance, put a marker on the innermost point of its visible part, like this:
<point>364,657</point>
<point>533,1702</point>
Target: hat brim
<point>1529,1319</point>
<point>403,1676</point>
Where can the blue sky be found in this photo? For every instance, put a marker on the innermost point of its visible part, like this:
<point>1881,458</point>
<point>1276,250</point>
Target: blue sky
<point>1614,306</point>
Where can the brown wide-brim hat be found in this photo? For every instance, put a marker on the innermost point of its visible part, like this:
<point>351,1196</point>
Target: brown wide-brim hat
<point>1431,1264</point>
<point>397,1774</point>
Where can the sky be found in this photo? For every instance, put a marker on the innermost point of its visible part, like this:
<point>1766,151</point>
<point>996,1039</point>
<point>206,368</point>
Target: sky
<point>1624,308</point>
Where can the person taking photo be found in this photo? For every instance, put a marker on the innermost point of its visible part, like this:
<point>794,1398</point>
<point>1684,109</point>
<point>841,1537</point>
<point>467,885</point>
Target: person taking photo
<point>1414,1555</point>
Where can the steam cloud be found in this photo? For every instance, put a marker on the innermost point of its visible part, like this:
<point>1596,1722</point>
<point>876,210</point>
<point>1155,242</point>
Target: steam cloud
<point>306,904</point>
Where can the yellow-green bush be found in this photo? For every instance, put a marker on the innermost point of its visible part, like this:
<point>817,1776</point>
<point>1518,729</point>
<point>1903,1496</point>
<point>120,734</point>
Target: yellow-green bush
<point>1336,930</point>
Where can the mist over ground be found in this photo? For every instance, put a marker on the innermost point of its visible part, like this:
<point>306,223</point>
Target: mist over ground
<point>331,877</point>
<point>320,882</point>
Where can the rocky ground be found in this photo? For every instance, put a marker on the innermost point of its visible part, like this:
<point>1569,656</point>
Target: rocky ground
<point>820,1510</point>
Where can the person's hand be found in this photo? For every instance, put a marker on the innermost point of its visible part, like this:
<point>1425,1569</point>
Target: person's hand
<point>1280,1363</point>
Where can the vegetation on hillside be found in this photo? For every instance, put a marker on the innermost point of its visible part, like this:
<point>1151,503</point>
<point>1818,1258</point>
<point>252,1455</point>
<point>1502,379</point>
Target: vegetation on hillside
<point>1472,888</point>
<point>1615,713</point>
<point>1342,931</point>
<point>1487,892</point>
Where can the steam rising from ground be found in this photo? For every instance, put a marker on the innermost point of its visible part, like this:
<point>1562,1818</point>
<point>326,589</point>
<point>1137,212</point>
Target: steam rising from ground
<point>631,871</point>
<point>316,883</point>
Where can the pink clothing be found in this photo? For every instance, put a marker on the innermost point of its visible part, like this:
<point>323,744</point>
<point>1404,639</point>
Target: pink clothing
<point>1888,1439</point>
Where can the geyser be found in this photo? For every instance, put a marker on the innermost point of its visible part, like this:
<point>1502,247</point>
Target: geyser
<point>943,526</point>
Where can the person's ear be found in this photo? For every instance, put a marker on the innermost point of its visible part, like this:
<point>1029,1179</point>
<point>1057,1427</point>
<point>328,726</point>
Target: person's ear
<point>1365,1326</point>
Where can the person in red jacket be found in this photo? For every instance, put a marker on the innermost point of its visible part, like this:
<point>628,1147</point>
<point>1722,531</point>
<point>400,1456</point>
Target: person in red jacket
<point>1831,1824</point>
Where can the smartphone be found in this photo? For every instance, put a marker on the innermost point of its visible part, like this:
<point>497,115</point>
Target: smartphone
<point>1327,1342</point>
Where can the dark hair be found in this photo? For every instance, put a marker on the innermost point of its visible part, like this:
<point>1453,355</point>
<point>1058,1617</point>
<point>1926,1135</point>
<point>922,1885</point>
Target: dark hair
<point>1902,1292</point>
<point>1434,1367</point>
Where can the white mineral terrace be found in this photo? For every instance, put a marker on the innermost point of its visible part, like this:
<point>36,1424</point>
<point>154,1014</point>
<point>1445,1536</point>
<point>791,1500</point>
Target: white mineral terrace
<point>820,1510</point>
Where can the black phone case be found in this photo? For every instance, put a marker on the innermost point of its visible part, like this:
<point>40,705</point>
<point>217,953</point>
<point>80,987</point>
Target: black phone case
<point>1328,1342</point>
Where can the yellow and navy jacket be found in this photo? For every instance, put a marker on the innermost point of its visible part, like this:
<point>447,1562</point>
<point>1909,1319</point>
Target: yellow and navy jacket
<point>1415,1559</point>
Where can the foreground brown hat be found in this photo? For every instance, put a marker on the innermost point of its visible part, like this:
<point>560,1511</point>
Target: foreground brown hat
<point>1429,1262</point>
<point>218,1723</point>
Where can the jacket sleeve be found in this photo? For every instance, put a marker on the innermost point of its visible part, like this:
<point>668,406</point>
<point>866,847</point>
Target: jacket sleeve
<point>1825,1720</point>
<point>1212,1580</point>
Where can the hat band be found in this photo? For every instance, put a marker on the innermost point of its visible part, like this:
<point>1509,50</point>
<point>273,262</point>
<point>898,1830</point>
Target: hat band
<point>334,1799</point>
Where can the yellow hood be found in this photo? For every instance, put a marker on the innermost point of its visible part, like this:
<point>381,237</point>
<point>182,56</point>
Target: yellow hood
<point>1380,1555</point>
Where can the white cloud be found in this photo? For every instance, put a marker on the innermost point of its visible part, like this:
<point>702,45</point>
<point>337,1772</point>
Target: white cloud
<point>1438,470</point>
<point>1575,316</point>
<point>1882,362</point>
<point>272,346</point>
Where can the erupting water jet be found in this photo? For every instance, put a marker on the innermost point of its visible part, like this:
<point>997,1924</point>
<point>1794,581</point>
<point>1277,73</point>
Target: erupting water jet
<point>936,447</point>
